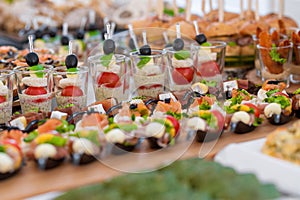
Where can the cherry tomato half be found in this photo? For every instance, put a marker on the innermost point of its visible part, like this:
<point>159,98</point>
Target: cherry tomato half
<point>109,79</point>
<point>183,75</point>
<point>71,91</point>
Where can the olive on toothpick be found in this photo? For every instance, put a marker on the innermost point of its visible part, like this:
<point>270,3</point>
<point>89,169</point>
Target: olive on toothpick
<point>71,60</point>
<point>200,37</point>
<point>133,39</point>
<point>178,43</point>
<point>65,38</point>
<point>31,58</point>
<point>145,49</point>
<point>80,32</point>
<point>108,44</point>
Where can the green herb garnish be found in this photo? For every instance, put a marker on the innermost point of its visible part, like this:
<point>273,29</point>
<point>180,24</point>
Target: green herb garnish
<point>257,121</point>
<point>297,91</point>
<point>283,101</point>
<point>204,105</point>
<point>74,69</point>
<point>105,59</point>
<point>143,61</point>
<point>210,119</point>
<point>57,141</point>
<point>65,127</point>
<point>182,55</point>
<point>232,44</point>
<point>206,44</point>
<point>276,56</point>
<point>171,13</point>
<point>2,149</point>
<point>39,69</point>
<point>270,92</point>
<point>178,116</point>
<point>32,135</point>
<point>209,83</point>
<point>127,127</point>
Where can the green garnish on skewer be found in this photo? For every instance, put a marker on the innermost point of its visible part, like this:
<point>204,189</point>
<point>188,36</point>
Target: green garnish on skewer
<point>182,55</point>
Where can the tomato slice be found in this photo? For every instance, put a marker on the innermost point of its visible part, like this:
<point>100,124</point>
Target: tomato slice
<point>2,99</point>
<point>175,123</point>
<point>109,79</point>
<point>71,91</point>
<point>150,86</point>
<point>183,75</point>
<point>220,117</point>
<point>208,69</point>
<point>35,91</point>
<point>256,110</point>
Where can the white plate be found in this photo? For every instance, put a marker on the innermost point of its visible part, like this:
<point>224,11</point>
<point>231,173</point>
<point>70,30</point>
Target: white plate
<point>247,158</point>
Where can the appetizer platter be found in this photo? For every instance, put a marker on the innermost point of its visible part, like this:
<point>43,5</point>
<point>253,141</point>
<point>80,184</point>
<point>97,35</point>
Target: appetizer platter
<point>81,106</point>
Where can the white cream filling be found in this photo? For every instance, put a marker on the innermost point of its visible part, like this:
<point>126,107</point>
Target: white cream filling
<point>34,81</point>
<point>115,136</point>
<point>241,116</point>
<point>6,163</point>
<point>196,123</point>
<point>182,63</point>
<point>45,151</point>
<point>83,145</point>
<point>155,129</point>
<point>69,82</point>
<point>149,69</point>
<point>271,109</point>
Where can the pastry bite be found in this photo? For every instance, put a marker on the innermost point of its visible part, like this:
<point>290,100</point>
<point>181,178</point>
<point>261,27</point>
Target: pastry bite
<point>206,125</point>
<point>11,156</point>
<point>162,132</point>
<point>121,137</point>
<point>47,145</point>
<point>243,118</point>
<point>84,146</point>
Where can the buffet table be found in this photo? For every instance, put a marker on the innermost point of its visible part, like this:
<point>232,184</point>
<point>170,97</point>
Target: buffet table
<point>31,181</point>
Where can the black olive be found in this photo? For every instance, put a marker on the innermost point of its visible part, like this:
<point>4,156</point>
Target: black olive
<point>53,32</point>
<point>145,50</point>
<point>178,44</point>
<point>201,38</point>
<point>131,44</point>
<point>71,61</point>
<point>64,40</point>
<point>32,59</point>
<point>273,82</point>
<point>168,100</point>
<point>133,106</point>
<point>109,46</point>
<point>38,34</point>
<point>80,34</point>
<point>92,27</point>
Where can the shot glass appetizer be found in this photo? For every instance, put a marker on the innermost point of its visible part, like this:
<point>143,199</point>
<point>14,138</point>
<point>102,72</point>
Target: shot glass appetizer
<point>180,64</point>
<point>275,59</point>
<point>6,95</point>
<point>34,83</point>
<point>109,73</point>
<point>149,70</point>
<point>71,83</point>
